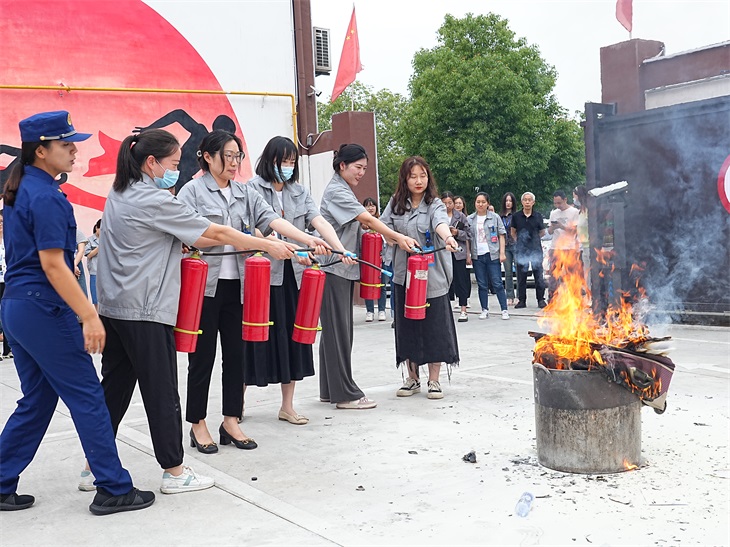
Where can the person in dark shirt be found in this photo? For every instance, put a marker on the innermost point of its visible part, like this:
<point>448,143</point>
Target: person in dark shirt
<point>527,229</point>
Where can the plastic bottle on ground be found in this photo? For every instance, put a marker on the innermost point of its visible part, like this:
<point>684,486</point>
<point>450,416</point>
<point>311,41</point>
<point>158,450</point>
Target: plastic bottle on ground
<point>524,504</point>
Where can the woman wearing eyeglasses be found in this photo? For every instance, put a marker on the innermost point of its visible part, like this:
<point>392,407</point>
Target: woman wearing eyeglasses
<point>219,198</point>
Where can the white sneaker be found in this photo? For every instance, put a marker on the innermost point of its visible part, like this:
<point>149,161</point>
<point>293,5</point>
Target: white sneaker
<point>381,316</point>
<point>369,317</point>
<point>484,314</point>
<point>434,390</point>
<point>409,387</point>
<point>187,481</point>
<point>86,481</point>
<point>463,317</point>
<point>505,314</point>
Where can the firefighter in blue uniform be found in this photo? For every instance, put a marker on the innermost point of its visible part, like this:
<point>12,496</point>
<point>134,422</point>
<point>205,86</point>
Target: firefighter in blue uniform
<point>39,314</point>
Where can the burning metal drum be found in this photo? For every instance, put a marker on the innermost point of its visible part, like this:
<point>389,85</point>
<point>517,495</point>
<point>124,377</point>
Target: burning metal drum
<point>585,422</point>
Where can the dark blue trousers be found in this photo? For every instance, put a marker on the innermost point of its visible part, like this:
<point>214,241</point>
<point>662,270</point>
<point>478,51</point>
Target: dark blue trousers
<point>51,362</point>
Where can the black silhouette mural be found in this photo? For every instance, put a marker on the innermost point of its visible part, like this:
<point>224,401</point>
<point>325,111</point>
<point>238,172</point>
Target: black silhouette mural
<point>188,158</point>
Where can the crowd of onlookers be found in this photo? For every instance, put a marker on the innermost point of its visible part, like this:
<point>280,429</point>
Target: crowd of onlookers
<point>502,248</point>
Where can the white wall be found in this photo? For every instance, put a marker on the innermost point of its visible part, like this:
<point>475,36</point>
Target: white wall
<point>249,46</point>
<point>717,86</point>
<point>316,172</point>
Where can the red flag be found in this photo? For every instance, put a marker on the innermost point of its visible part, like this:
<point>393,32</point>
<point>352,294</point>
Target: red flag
<point>624,13</point>
<point>349,60</point>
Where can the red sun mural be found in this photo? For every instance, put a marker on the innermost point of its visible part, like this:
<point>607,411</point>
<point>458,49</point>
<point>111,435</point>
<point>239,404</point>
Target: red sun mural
<point>121,44</point>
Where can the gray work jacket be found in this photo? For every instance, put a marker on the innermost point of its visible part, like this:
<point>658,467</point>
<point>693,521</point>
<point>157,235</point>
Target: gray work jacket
<point>415,223</point>
<point>493,221</point>
<point>247,212</point>
<point>93,243</point>
<point>462,235</point>
<point>340,208</point>
<point>299,209</point>
<point>138,269</point>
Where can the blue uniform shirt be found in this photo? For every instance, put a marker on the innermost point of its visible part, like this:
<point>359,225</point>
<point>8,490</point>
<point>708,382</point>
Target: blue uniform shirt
<point>41,218</point>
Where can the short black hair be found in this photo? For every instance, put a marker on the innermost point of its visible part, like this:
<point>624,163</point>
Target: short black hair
<point>277,150</point>
<point>559,194</point>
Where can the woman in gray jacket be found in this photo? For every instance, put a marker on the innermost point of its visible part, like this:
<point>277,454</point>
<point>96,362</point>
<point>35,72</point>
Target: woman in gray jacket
<point>280,360</point>
<point>487,253</point>
<point>218,197</point>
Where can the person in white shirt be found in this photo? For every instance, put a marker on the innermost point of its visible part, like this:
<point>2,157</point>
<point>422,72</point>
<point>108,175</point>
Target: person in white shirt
<point>563,229</point>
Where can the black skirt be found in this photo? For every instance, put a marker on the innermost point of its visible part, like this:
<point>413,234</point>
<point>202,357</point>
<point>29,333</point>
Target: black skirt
<point>429,340</point>
<point>279,360</point>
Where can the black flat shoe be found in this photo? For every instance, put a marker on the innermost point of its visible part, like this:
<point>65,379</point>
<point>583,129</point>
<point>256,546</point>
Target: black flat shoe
<point>211,448</point>
<point>106,504</point>
<point>245,444</point>
<point>15,502</point>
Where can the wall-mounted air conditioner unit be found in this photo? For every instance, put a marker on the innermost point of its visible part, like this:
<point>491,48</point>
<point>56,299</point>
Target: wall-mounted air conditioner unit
<point>322,61</point>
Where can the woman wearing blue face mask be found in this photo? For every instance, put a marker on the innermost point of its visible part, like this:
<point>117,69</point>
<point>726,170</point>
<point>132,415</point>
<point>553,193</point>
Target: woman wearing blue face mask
<point>280,360</point>
<point>218,197</point>
<point>138,289</point>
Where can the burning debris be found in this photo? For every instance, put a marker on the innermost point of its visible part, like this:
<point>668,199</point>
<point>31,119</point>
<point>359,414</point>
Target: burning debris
<point>616,342</point>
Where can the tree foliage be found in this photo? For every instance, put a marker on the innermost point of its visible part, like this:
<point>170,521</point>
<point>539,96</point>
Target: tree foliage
<point>388,108</point>
<point>483,114</point>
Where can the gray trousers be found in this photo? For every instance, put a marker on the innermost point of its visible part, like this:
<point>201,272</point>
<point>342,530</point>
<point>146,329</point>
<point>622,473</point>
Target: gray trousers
<point>335,346</point>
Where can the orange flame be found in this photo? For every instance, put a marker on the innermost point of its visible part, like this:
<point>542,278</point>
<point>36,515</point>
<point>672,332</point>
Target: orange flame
<point>571,325</point>
<point>629,466</point>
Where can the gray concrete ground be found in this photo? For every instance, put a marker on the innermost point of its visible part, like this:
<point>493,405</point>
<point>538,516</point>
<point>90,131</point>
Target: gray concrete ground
<point>395,475</point>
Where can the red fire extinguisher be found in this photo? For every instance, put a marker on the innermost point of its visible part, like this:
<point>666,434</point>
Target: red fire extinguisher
<point>310,302</point>
<point>370,249</point>
<point>256,299</point>
<point>416,287</point>
<point>193,274</point>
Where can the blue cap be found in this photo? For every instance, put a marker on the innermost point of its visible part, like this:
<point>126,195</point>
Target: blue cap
<point>50,126</point>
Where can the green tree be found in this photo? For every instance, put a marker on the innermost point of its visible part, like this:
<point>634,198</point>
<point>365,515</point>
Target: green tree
<point>388,108</point>
<point>483,114</point>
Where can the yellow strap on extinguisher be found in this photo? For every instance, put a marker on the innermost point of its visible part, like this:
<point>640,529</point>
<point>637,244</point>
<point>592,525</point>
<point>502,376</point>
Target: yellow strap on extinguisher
<point>318,328</point>
<point>426,305</point>
<point>247,324</point>
<point>176,329</point>
<point>372,284</point>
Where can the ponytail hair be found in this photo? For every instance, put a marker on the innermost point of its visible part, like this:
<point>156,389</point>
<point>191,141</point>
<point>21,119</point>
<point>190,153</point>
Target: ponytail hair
<point>347,154</point>
<point>213,143</point>
<point>136,148</point>
<point>27,157</point>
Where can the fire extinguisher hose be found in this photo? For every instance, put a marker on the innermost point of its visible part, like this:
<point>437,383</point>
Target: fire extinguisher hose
<point>303,252</point>
<point>300,252</point>
<point>422,252</point>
